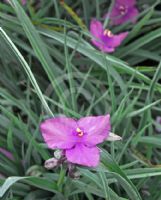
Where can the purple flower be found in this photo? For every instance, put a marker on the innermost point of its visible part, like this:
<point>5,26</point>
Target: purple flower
<point>78,138</point>
<point>104,39</point>
<point>123,11</point>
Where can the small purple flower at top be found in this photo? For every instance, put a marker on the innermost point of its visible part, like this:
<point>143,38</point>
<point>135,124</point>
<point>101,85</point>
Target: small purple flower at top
<point>77,138</point>
<point>104,39</point>
<point>123,11</point>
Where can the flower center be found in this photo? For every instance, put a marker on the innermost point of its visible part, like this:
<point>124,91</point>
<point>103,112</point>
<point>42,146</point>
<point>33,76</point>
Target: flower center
<point>123,10</point>
<point>80,132</point>
<point>108,33</point>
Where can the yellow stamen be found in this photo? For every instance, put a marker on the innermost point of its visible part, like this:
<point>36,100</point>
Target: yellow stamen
<point>122,7</point>
<point>108,33</point>
<point>80,132</point>
<point>122,10</point>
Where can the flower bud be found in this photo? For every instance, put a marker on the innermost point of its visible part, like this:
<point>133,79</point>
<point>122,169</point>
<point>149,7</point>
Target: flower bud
<point>51,163</point>
<point>58,153</point>
<point>113,137</point>
<point>73,172</point>
<point>75,175</point>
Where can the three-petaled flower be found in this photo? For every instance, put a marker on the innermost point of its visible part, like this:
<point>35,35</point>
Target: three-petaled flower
<point>123,11</point>
<point>77,138</point>
<point>104,39</point>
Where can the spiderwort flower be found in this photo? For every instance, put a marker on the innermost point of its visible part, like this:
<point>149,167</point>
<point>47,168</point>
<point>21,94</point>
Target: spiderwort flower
<point>77,138</point>
<point>123,11</point>
<point>104,39</point>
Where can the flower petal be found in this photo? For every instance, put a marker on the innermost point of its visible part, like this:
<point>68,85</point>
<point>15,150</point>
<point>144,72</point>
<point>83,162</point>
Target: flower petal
<point>82,155</point>
<point>116,40</point>
<point>57,132</point>
<point>98,44</point>
<point>118,20</point>
<point>107,49</point>
<point>132,14</point>
<point>96,129</point>
<point>115,13</point>
<point>103,46</point>
<point>96,28</point>
<point>127,3</point>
